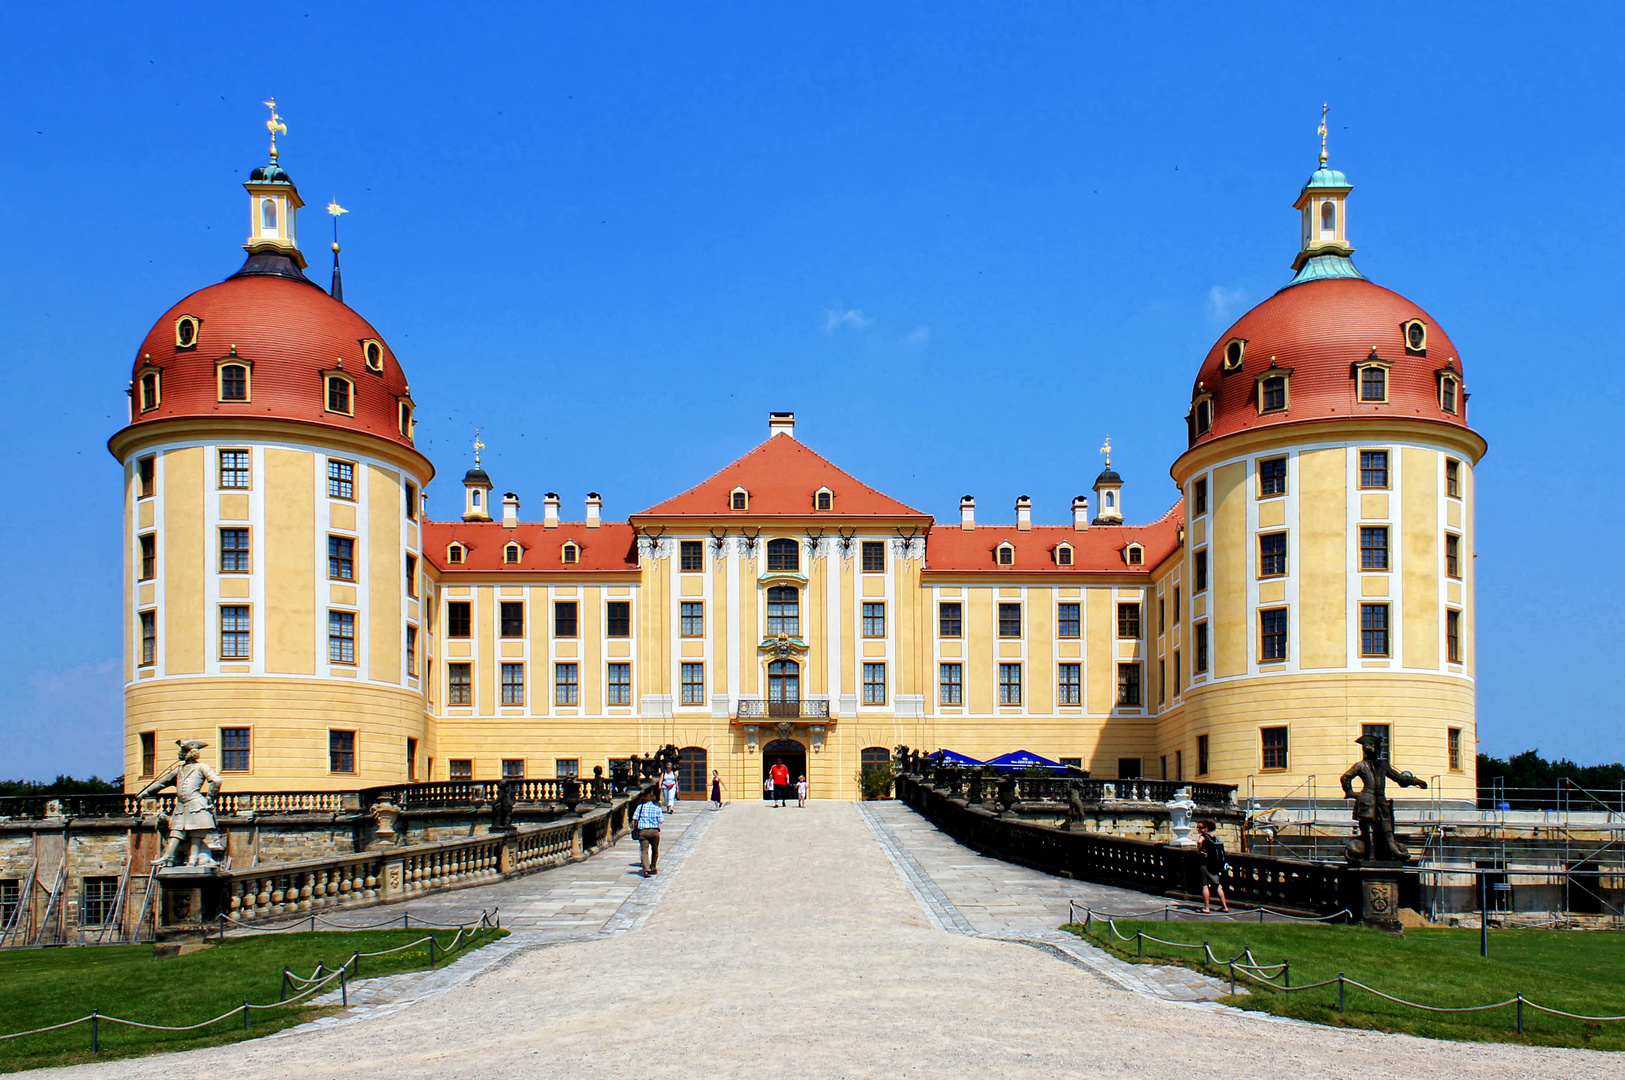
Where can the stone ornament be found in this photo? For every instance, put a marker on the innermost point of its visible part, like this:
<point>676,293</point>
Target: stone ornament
<point>1180,809</point>
<point>196,785</point>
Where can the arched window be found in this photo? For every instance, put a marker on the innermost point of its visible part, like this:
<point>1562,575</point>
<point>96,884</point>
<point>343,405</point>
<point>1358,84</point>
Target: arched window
<point>267,215</point>
<point>1328,217</point>
<point>783,555</point>
<point>1272,394</point>
<point>739,499</point>
<point>570,554</point>
<point>1005,555</point>
<point>510,554</point>
<point>691,772</point>
<point>1110,500</point>
<point>233,382</point>
<point>1373,383</point>
<point>1063,555</point>
<point>1135,555</point>
<point>454,553</point>
<point>871,758</point>
<point>784,611</point>
<point>474,498</point>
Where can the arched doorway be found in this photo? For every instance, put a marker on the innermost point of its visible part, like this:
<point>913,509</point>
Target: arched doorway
<point>792,753</point>
<point>692,778</point>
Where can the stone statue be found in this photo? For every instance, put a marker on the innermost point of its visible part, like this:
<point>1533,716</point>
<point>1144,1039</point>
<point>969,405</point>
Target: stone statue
<point>1372,807</point>
<point>1180,808</point>
<point>196,785</point>
<point>1077,811</point>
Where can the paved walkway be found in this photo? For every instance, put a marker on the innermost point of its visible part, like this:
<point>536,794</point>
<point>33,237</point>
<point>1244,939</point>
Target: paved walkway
<point>796,944</point>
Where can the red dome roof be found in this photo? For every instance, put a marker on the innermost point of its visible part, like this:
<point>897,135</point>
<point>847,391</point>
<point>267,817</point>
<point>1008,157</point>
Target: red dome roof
<point>1320,330</point>
<point>290,332</point>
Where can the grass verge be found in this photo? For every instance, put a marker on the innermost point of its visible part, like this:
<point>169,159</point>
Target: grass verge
<point>1573,970</point>
<point>39,987</point>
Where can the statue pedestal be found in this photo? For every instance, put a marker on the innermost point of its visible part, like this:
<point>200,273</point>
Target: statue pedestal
<point>1379,895</point>
<point>190,899</point>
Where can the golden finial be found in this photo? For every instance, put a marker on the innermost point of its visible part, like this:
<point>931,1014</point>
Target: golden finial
<point>1107,450</point>
<point>335,209</point>
<point>478,446</point>
<point>1324,108</point>
<point>274,125</point>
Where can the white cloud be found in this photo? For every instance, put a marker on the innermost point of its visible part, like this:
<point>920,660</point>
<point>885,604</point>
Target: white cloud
<point>70,721</point>
<point>1222,302</point>
<point>851,317</point>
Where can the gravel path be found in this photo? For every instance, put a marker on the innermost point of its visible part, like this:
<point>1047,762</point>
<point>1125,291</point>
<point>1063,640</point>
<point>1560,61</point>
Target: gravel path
<point>790,945</point>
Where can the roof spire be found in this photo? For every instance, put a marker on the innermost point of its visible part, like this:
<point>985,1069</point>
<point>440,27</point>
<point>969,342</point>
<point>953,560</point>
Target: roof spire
<point>335,209</point>
<point>1324,108</point>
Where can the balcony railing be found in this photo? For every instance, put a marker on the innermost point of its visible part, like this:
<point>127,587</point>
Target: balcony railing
<point>806,708</point>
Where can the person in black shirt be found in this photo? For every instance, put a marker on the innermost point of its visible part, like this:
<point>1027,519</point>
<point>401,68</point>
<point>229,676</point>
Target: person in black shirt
<point>1211,851</point>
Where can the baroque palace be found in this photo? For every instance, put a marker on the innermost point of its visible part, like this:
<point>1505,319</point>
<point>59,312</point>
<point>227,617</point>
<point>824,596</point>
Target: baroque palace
<point>288,599</point>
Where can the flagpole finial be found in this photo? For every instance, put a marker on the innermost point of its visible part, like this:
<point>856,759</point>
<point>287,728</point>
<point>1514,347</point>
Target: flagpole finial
<point>274,125</point>
<point>1324,109</point>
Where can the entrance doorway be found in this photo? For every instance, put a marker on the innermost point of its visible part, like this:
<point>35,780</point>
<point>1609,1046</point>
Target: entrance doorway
<point>784,688</point>
<point>691,773</point>
<point>792,753</point>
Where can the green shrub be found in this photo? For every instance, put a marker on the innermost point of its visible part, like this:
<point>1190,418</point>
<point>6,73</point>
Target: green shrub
<point>876,782</point>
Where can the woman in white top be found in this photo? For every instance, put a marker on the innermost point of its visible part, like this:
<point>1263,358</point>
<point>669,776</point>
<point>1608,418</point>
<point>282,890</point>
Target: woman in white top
<point>668,788</point>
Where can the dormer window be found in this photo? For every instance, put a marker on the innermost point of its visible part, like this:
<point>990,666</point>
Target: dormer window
<point>570,554</point>
<point>340,395</point>
<point>1063,555</point>
<point>511,554</point>
<point>151,391</point>
<point>454,552</point>
<point>1234,350</point>
<point>1449,393</point>
<point>1373,383</point>
<point>824,499</point>
<point>1273,389</point>
<point>739,499</point>
<point>1134,555</point>
<point>1005,554</point>
<point>372,351</point>
<point>1416,337</point>
<point>406,419</point>
<point>186,328</point>
<point>1201,415</point>
<point>233,382</point>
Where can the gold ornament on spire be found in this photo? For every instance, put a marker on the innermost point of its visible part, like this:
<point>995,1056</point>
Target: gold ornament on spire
<point>335,209</point>
<point>1107,450</point>
<point>1324,108</point>
<point>478,446</point>
<point>274,125</point>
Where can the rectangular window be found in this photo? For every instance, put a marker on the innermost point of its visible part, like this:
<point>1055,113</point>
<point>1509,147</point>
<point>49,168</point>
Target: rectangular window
<point>234,551</point>
<point>149,753</point>
<point>1069,684</point>
<point>949,619</point>
<point>149,556</point>
<point>1199,571</point>
<point>338,395</point>
<point>340,558</point>
<point>1453,743</point>
<point>96,900</point>
<point>566,768</point>
<point>460,769</point>
<point>235,630</point>
<point>1068,620</point>
<point>412,576</point>
<point>1272,555</point>
<point>1128,620</point>
<point>1272,635</point>
<point>234,749</point>
<point>459,619</point>
<point>1199,496</point>
<point>1273,740</point>
<point>951,684</point>
<point>459,684</point>
<point>1200,632</point>
<point>1452,636</point>
<point>149,638</point>
<point>10,895</point>
<point>874,620</point>
<point>1373,468</point>
<point>620,685</point>
<point>340,479</point>
<point>412,651</point>
<point>513,684</point>
<point>566,685</point>
<point>1178,676</point>
<point>1373,384</point>
<point>693,684</point>
<point>1128,684</point>
<point>693,618</point>
<point>874,684</point>
<point>1009,684</point>
<point>513,618</point>
<point>1273,394</point>
<point>1128,768</point>
<point>874,556</point>
<point>618,618</point>
<point>341,637</point>
<point>1162,615</point>
<point>1381,731</point>
<point>1201,755</point>
<point>1452,555</point>
<point>1179,611</point>
<point>564,618</point>
<point>412,759</point>
<point>1373,547</point>
<point>411,500</point>
<point>691,555</point>
<point>1272,476</point>
<point>1373,629</point>
<point>513,768</point>
<point>1452,478</point>
<point>1009,620</point>
<point>234,469</point>
<point>144,476</point>
<point>341,751</point>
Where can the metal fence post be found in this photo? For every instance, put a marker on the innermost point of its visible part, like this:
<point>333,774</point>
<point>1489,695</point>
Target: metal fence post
<point>95,1019</point>
<point>1483,917</point>
<point>1139,943</point>
<point>1520,1012</point>
<point>1286,973</point>
<point>432,944</point>
<point>1232,977</point>
<point>344,992</point>
<point>313,922</point>
<point>222,926</point>
<point>285,974</point>
<point>245,1014</point>
<point>406,920</point>
<point>1339,991</point>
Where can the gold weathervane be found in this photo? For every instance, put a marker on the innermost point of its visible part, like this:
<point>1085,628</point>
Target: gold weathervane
<point>274,125</point>
<point>1324,108</point>
<point>478,446</point>
<point>335,209</point>
<point>1107,450</point>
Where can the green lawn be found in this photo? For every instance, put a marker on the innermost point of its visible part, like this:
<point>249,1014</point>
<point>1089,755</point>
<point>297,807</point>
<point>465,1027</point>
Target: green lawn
<point>39,987</point>
<point>1575,970</point>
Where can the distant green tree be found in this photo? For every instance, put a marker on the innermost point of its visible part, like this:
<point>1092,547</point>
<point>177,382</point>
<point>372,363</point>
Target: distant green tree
<point>62,785</point>
<point>1533,782</point>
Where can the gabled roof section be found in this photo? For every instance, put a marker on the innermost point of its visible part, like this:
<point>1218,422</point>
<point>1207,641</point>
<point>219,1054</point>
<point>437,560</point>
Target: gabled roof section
<point>610,548</point>
<point>782,476</point>
<point>1099,549</point>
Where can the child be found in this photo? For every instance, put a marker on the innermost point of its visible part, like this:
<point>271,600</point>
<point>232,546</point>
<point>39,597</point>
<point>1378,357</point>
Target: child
<point>801,793</point>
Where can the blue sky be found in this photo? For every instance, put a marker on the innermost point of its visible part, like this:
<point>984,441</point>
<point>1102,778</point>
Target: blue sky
<point>963,243</point>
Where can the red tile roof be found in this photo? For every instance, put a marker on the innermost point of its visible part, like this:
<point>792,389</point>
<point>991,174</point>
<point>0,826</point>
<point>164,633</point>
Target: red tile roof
<point>781,476</point>
<point>950,549</point>
<point>610,548</point>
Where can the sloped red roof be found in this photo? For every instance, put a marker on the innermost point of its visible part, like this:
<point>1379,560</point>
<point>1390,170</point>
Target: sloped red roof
<point>781,476</point>
<point>1099,549</point>
<point>610,548</point>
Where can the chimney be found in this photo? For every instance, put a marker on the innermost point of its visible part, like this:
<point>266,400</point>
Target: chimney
<point>781,423</point>
<point>550,510</point>
<point>1024,513</point>
<point>510,511</point>
<point>967,513</point>
<point>595,506</point>
<point>1080,513</point>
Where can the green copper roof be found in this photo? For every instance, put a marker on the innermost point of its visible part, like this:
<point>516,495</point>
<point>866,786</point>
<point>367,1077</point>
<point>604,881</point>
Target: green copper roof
<point>1320,267</point>
<point>1324,177</point>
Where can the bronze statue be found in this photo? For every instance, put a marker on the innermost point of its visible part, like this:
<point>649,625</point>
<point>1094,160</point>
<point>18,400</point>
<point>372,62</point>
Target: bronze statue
<point>1372,807</point>
<point>196,785</point>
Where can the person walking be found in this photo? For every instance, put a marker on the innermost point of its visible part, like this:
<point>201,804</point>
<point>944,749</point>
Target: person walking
<point>767,788</point>
<point>717,787</point>
<point>647,817</point>
<point>780,775</point>
<point>668,788</point>
<point>801,792</point>
<point>1210,849</point>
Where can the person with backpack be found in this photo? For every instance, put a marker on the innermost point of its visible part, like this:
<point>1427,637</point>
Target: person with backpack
<point>1210,849</point>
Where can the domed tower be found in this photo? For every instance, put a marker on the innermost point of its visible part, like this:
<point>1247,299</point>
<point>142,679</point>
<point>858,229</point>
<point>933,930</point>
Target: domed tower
<point>271,529</point>
<point>1329,498</point>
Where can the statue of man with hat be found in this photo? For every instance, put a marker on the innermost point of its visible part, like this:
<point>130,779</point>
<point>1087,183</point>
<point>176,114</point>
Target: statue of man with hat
<point>1372,808</point>
<point>196,785</point>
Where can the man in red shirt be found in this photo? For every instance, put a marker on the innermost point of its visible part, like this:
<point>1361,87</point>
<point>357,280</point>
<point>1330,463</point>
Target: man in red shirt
<point>781,782</point>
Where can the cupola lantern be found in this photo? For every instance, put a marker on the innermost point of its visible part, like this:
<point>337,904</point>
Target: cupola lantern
<point>273,202</point>
<point>1323,207</point>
